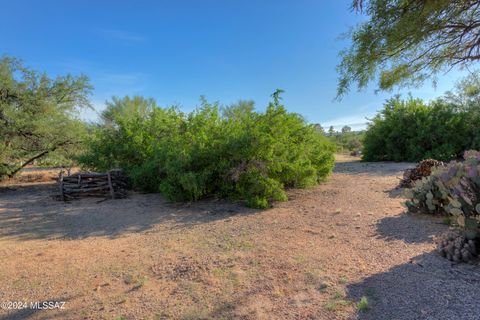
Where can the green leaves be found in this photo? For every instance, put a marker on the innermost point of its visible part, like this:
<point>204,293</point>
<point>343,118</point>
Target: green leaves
<point>405,42</point>
<point>411,130</point>
<point>38,115</point>
<point>231,152</point>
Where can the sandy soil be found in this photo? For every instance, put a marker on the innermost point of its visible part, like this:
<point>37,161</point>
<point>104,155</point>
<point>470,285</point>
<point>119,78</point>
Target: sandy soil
<point>37,175</point>
<point>312,257</point>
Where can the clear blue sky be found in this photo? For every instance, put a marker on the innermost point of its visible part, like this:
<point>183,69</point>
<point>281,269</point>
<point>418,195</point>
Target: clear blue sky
<point>175,51</point>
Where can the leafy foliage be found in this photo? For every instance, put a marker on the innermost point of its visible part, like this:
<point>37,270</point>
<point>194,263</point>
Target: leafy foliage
<point>347,140</point>
<point>37,114</point>
<point>453,190</point>
<point>232,152</point>
<point>411,130</point>
<point>406,41</point>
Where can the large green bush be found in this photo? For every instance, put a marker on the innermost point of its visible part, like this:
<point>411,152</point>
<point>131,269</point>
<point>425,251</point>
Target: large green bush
<point>232,152</point>
<point>411,130</point>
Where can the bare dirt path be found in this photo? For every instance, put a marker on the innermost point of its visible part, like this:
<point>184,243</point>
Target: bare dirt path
<point>313,257</point>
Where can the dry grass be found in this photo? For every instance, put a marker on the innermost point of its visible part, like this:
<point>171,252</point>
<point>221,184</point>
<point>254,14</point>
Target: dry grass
<point>313,257</point>
<point>36,175</point>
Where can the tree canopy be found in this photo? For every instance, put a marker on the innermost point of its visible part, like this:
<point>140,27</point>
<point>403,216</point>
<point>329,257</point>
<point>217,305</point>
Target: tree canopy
<point>38,115</point>
<point>404,42</point>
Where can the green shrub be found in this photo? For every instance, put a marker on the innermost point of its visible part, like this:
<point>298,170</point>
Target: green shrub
<point>346,140</point>
<point>453,190</point>
<point>232,152</point>
<point>410,130</point>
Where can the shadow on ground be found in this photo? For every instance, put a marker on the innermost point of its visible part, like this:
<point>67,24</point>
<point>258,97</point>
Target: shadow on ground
<point>372,168</point>
<point>411,228</point>
<point>427,287</point>
<point>395,192</point>
<point>30,212</point>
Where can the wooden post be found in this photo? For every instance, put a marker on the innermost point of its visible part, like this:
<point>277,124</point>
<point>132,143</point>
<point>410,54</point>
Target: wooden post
<point>112,192</point>
<point>60,182</point>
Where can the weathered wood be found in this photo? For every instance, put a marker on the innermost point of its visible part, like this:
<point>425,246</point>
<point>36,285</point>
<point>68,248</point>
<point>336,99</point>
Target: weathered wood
<point>90,175</point>
<point>112,193</point>
<point>112,184</point>
<point>60,181</point>
<point>86,185</point>
<point>73,190</point>
<point>84,180</point>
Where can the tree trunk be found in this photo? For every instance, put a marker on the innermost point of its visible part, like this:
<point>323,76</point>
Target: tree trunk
<point>39,155</point>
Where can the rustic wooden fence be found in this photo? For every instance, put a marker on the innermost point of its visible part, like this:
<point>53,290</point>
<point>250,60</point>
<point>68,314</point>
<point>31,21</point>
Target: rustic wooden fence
<point>112,184</point>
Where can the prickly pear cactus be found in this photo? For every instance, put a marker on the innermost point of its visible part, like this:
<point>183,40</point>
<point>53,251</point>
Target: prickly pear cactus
<point>452,190</point>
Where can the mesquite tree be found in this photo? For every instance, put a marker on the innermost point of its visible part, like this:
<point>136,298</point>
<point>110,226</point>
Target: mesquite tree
<point>404,42</point>
<point>38,114</point>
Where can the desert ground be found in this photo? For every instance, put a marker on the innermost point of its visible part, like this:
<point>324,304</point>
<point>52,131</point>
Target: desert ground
<point>313,257</point>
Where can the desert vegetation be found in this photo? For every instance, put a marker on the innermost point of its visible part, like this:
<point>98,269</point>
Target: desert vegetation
<point>233,152</point>
<point>452,191</point>
<point>413,130</point>
<point>346,140</point>
<point>38,116</point>
<point>243,211</point>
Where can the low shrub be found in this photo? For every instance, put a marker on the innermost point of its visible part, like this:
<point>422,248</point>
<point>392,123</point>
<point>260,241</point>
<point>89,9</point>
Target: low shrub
<point>363,304</point>
<point>232,152</point>
<point>453,190</point>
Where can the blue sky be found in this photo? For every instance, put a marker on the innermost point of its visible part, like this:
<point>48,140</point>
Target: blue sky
<point>175,51</point>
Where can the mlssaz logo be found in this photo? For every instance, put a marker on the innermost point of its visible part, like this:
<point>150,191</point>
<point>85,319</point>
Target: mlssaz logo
<point>46,305</point>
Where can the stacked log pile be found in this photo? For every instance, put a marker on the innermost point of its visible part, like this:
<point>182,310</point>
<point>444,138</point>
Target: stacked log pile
<point>423,169</point>
<point>112,184</point>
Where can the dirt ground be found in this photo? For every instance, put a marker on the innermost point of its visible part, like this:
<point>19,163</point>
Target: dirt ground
<point>313,257</point>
